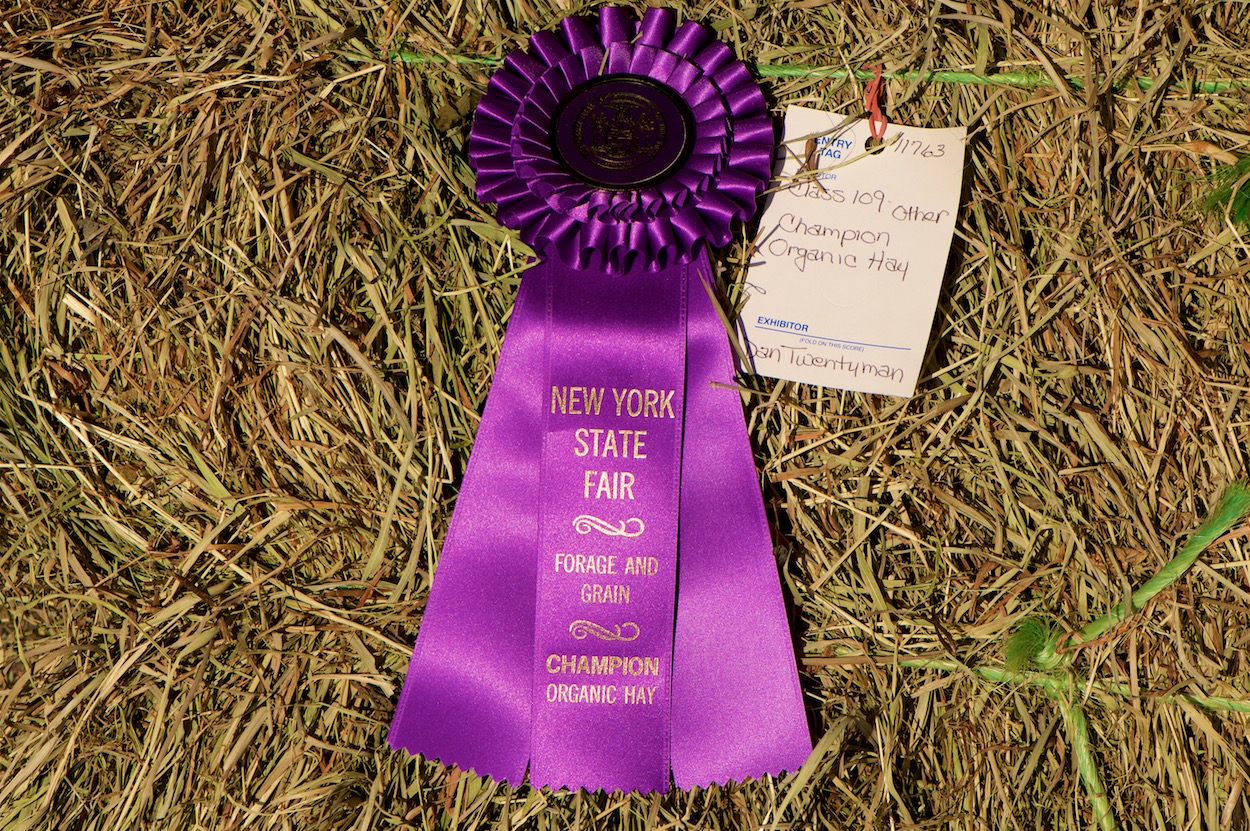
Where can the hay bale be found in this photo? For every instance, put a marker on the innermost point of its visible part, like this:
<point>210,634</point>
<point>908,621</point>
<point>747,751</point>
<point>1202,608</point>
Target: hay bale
<point>250,313</point>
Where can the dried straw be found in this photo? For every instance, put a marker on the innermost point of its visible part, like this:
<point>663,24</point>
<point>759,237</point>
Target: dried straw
<point>249,312</point>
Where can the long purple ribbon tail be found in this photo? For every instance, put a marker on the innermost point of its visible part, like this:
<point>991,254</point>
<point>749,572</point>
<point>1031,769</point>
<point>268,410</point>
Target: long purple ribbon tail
<point>737,707</point>
<point>466,698</point>
<point>608,555</point>
<point>527,655</point>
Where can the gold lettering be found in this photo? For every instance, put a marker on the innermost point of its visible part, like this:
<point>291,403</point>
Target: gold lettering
<point>666,403</point>
<point>585,563</point>
<point>642,565</point>
<point>577,400</point>
<point>647,403</point>
<point>594,399</point>
<point>608,484</point>
<point>639,694</point>
<point>649,408</point>
<point>608,443</point>
<point>602,665</point>
<point>582,693</point>
<point>615,593</point>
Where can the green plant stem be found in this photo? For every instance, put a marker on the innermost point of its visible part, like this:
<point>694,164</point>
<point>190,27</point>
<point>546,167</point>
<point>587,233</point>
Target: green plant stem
<point>422,57</point>
<point>1232,508</point>
<point>1059,686</point>
<point>1019,80</point>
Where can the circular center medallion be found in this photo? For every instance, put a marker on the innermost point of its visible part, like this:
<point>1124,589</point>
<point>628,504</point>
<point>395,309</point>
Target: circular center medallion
<point>622,131</point>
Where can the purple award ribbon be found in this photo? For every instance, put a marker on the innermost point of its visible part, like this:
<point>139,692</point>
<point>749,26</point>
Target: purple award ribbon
<point>607,612</point>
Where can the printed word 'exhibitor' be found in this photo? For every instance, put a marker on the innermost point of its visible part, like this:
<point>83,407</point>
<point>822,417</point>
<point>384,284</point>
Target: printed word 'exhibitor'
<point>774,323</point>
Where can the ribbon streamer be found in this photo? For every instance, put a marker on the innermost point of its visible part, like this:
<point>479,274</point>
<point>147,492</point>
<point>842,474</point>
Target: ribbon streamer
<point>607,612</point>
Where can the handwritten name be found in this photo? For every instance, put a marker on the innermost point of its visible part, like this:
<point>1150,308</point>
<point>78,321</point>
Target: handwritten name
<point>799,356</point>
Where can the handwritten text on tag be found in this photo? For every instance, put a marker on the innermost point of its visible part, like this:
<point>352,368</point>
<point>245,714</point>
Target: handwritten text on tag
<point>851,252</point>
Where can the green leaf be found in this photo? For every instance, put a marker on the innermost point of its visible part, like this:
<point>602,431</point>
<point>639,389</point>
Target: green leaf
<point>1230,191</point>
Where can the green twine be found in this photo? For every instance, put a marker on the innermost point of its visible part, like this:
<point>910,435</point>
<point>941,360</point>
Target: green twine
<point>1087,765</point>
<point>1036,642</point>
<point>1018,80</point>
<point>1232,508</point>
<point>463,60</point>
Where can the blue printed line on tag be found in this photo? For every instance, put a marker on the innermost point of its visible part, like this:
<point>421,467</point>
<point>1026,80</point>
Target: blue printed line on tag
<point>834,340</point>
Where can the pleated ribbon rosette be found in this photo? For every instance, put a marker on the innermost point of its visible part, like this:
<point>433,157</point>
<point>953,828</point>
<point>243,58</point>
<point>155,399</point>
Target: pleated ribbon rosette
<point>607,612</point>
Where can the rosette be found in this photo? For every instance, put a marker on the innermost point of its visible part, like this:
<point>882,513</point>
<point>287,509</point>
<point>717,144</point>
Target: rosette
<point>607,612</point>
<point>670,194</point>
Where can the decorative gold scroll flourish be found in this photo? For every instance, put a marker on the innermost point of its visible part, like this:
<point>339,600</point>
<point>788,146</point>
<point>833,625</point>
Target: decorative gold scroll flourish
<point>625,632</point>
<point>632,527</point>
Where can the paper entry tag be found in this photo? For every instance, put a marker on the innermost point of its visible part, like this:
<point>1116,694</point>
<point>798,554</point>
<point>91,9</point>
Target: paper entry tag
<point>849,260</point>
